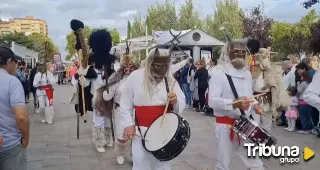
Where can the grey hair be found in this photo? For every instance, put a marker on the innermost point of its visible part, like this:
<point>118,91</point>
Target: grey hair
<point>287,64</point>
<point>148,79</point>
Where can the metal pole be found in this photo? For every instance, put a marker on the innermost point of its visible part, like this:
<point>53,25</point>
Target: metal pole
<point>147,51</point>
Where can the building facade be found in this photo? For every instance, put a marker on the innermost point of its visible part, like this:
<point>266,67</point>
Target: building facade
<point>26,25</point>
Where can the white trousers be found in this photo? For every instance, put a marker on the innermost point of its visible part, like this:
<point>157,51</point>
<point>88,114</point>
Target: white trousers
<point>46,111</point>
<point>101,130</point>
<point>143,160</point>
<point>227,149</point>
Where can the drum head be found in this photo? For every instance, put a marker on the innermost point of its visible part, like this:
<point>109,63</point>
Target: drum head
<point>158,135</point>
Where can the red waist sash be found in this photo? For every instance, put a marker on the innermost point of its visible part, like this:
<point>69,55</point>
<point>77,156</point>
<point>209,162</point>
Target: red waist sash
<point>49,92</point>
<point>228,121</point>
<point>146,115</point>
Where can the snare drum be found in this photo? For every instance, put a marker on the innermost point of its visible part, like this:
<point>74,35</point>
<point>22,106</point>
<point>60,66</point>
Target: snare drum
<point>251,132</point>
<point>167,140</point>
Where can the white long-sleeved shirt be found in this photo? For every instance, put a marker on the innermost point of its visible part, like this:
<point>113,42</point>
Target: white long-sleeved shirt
<point>115,91</point>
<point>41,80</point>
<point>312,94</point>
<point>134,94</point>
<point>290,78</point>
<point>221,97</point>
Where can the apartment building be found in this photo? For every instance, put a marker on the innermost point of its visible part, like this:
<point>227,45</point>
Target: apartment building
<point>26,25</point>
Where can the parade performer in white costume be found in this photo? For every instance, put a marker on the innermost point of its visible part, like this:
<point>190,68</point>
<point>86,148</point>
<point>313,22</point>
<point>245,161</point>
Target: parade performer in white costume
<point>43,81</point>
<point>232,64</point>
<point>116,84</point>
<point>145,92</point>
<point>102,129</point>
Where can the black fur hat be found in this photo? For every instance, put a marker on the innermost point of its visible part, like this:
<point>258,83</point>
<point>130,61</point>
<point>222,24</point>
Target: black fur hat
<point>76,25</point>
<point>100,42</point>
<point>253,46</point>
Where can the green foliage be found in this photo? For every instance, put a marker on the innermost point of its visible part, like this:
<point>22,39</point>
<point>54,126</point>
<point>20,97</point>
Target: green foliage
<point>162,17</point>
<point>35,42</point>
<point>138,26</point>
<point>188,16</point>
<point>293,38</point>
<point>71,40</point>
<point>226,13</point>
<point>129,30</point>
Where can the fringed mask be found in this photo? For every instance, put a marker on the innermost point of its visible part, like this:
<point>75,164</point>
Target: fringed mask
<point>128,65</point>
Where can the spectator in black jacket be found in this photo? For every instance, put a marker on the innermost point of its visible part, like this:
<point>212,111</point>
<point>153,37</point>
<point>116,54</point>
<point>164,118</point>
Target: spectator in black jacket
<point>202,77</point>
<point>33,89</point>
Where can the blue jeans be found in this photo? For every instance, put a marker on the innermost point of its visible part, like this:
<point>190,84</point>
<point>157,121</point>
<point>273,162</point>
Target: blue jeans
<point>187,93</point>
<point>305,116</point>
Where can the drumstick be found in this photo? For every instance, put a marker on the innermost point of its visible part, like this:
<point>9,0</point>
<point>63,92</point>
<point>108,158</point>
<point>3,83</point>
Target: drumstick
<point>165,110</point>
<point>252,97</point>
<point>267,116</point>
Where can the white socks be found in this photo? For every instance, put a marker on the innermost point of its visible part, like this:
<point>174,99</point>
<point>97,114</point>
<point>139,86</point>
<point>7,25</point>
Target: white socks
<point>291,124</point>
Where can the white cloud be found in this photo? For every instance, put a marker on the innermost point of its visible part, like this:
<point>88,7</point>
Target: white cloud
<point>128,13</point>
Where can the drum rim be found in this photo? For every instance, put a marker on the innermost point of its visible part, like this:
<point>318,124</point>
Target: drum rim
<point>144,136</point>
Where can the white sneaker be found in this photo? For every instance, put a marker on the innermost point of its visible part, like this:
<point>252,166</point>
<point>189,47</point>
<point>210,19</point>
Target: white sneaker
<point>120,160</point>
<point>43,121</point>
<point>110,143</point>
<point>287,128</point>
<point>49,123</point>
<point>101,149</point>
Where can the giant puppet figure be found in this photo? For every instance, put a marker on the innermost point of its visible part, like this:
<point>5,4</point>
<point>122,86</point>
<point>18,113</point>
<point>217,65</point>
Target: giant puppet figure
<point>43,82</point>
<point>267,80</point>
<point>102,130</point>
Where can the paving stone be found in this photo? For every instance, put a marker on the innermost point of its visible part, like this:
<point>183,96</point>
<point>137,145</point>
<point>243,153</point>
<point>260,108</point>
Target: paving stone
<point>85,163</point>
<point>34,165</point>
<point>56,147</point>
<point>56,159</point>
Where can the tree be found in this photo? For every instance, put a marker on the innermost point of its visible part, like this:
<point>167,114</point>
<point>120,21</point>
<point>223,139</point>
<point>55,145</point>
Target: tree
<point>71,40</point>
<point>315,38</point>
<point>44,46</point>
<point>115,36</point>
<point>257,25</point>
<point>162,17</point>
<point>226,13</point>
<point>128,30</point>
<point>138,26</point>
<point>188,16</point>
<point>293,38</point>
<point>17,37</point>
<point>35,42</point>
<point>310,3</point>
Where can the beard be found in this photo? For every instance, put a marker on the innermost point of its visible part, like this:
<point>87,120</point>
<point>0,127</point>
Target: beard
<point>156,77</point>
<point>238,63</point>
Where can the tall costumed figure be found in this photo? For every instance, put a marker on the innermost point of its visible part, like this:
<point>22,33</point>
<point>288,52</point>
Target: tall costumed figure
<point>102,130</point>
<point>81,81</point>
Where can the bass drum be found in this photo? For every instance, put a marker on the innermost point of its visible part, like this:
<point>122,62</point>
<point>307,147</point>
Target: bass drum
<point>167,140</point>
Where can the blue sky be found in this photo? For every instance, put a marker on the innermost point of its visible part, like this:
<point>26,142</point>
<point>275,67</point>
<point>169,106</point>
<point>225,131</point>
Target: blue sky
<point>116,13</point>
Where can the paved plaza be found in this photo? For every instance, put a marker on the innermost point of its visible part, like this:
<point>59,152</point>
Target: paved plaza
<point>56,147</point>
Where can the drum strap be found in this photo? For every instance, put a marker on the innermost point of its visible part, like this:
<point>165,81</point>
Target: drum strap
<point>137,123</point>
<point>234,91</point>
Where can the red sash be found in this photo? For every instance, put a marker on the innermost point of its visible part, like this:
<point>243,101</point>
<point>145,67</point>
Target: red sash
<point>49,92</point>
<point>228,121</point>
<point>146,115</point>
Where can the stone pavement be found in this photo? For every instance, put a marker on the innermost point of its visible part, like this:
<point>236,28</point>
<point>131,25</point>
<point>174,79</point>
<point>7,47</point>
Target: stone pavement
<point>56,147</point>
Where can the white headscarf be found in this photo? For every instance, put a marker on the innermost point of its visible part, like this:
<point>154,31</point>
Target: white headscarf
<point>148,79</point>
<point>224,61</point>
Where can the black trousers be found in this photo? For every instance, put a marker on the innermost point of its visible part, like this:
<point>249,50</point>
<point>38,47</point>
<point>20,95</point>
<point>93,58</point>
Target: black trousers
<point>315,116</point>
<point>202,96</point>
